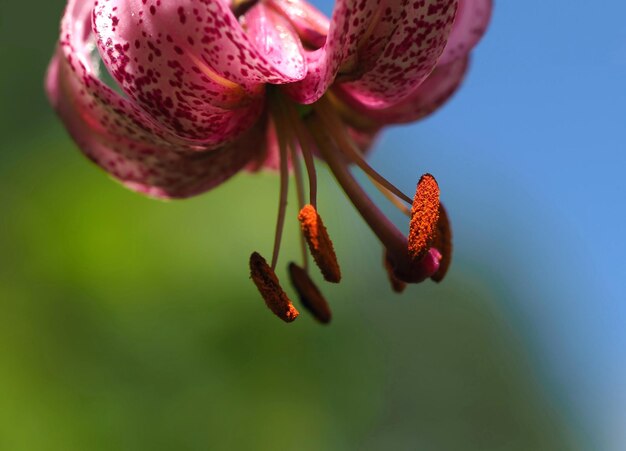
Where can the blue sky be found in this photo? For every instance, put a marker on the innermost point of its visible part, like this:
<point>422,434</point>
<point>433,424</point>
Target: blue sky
<point>530,155</point>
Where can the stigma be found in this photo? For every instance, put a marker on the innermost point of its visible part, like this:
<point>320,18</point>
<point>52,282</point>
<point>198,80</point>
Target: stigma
<point>318,131</point>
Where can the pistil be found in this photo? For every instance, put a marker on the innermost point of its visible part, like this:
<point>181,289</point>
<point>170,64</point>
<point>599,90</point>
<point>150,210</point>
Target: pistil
<point>405,268</point>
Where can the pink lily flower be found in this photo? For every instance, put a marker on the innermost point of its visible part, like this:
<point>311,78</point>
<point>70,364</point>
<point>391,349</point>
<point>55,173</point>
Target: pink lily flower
<point>210,87</point>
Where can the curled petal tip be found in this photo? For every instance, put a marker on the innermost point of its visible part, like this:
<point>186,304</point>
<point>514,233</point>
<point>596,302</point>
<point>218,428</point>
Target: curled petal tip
<point>470,24</point>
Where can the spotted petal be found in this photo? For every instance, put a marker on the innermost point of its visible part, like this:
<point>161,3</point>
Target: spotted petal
<point>409,56</point>
<point>470,24</point>
<point>311,25</point>
<point>381,50</point>
<point>440,85</point>
<point>77,47</point>
<point>115,137</point>
<point>353,23</point>
<point>77,43</point>
<point>276,40</point>
<point>187,63</point>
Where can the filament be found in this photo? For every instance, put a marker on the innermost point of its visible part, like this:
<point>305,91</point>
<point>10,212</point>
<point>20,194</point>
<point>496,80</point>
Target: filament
<point>332,121</point>
<point>393,199</point>
<point>284,189</point>
<point>297,170</point>
<point>305,147</point>
<point>390,236</point>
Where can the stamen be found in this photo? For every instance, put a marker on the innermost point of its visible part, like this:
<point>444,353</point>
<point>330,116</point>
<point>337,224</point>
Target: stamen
<point>424,217</point>
<point>397,285</point>
<point>391,198</point>
<point>297,170</point>
<point>333,122</point>
<point>268,285</point>
<point>405,268</point>
<point>386,232</point>
<point>320,244</point>
<point>443,243</point>
<point>293,117</point>
<point>284,189</point>
<point>309,294</point>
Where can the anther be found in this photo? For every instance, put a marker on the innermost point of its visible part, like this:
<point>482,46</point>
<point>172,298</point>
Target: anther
<point>424,217</point>
<point>397,285</point>
<point>309,294</point>
<point>319,242</point>
<point>443,243</point>
<point>268,285</point>
<point>405,267</point>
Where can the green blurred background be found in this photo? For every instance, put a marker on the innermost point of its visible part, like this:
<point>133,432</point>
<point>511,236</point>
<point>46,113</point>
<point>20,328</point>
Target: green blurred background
<point>131,324</point>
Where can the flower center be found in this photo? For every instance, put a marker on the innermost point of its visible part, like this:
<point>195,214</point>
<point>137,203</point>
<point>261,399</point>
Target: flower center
<point>318,130</point>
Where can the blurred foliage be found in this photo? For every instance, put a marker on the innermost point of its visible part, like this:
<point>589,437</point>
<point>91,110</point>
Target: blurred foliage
<point>130,324</point>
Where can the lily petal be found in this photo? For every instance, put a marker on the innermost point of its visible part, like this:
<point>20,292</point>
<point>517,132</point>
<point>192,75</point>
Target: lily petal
<point>207,126</point>
<point>440,85</point>
<point>276,40</point>
<point>353,23</point>
<point>409,56</point>
<point>310,23</point>
<point>470,25</point>
<point>188,63</point>
<point>349,25</point>
<point>133,157</point>
<point>381,50</point>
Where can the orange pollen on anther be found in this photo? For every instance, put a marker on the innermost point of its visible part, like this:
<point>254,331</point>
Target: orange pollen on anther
<point>397,285</point>
<point>424,217</point>
<point>268,285</point>
<point>443,243</point>
<point>319,242</point>
<point>309,294</point>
